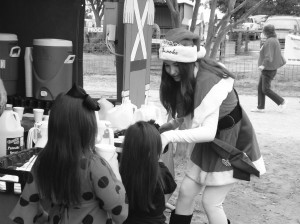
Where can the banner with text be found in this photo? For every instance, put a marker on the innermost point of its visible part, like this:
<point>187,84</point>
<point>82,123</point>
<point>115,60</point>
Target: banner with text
<point>292,49</point>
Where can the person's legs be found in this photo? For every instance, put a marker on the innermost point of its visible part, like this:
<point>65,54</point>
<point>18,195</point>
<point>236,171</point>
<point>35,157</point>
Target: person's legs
<point>212,200</point>
<point>189,189</point>
<point>267,78</point>
<point>260,95</point>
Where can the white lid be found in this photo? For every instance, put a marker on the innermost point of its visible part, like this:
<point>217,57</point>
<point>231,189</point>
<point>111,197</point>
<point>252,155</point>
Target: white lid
<point>8,106</point>
<point>52,42</point>
<point>8,37</point>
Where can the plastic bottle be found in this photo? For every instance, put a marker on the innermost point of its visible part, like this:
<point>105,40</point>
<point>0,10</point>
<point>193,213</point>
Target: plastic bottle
<point>105,105</point>
<point>121,116</point>
<point>148,112</point>
<point>108,135</point>
<point>11,133</point>
<point>105,132</point>
<point>42,137</point>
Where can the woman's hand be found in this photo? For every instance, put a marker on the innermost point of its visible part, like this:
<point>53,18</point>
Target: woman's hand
<point>164,143</point>
<point>166,127</point>
<point>261,67</point>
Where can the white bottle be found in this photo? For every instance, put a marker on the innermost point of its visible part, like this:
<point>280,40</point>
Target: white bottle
<point>11,132</point>
<point>42,133</point>
<point>108,135</point>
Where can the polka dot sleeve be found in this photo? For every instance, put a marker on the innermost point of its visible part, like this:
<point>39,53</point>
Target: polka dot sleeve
<point>28,209</point>
<point>109,191</point>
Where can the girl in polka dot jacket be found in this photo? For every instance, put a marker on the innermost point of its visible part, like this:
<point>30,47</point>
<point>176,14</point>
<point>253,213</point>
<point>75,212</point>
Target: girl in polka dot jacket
<point>147,181</point>
<point>77,185</point>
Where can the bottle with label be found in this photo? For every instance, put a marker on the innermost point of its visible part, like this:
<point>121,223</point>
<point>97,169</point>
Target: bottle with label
<point>11,132</point>
<point>108,135</point>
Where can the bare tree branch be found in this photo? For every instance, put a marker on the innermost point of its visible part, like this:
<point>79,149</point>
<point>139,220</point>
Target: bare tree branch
<point>249,12</point>
<point>223,27</point>
<point>195,15</point>
<point>170,5</point>
<point>228,13</point>
<point>210,31</point>
<point>175,15</point>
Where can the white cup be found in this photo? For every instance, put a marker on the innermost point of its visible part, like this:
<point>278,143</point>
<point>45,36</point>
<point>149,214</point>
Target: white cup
<point>19,111</point>
<point>38,114</point>
<point>106,151</point>
<point>121,137</point>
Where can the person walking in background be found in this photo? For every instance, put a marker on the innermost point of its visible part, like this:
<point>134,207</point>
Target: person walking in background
<point>3,97</point>
<point>68,175</point>
<point>148,182</point>
<point>270,59</point>
<point>198,93</point>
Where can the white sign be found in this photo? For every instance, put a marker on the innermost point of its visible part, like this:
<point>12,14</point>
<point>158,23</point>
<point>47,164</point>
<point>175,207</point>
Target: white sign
<point>157,41</point>
<point>190,2</point>
<point>292,49</point>
<point>95,29</point>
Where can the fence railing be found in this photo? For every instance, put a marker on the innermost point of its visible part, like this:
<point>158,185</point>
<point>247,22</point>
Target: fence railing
<point>239,55</point>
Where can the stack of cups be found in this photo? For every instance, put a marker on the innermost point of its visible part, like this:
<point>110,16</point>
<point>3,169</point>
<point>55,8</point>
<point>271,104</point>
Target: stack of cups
<point>38,115</point>
<point>19,111</point>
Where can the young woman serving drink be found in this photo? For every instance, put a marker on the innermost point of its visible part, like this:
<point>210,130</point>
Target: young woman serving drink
<point>207,116</point>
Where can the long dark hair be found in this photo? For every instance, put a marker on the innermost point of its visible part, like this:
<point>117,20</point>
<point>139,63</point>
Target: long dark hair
<point>171,92</point>
<point>139,166</point>
<point>72,130</point>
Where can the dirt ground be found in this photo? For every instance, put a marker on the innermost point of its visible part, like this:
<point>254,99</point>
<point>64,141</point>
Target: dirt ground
<point>275,197</point>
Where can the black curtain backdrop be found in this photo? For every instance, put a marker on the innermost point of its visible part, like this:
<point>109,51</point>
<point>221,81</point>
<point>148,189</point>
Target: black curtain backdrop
<point>34,19</point>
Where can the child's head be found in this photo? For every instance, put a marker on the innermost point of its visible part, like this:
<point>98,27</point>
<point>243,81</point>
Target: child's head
<point>72,124</point>
<point>142,142</point>
<point>139,163</point>
<point>72,131</point>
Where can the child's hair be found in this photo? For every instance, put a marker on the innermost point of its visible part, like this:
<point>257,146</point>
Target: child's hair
<point>139,166</point>
<point>72,130</point>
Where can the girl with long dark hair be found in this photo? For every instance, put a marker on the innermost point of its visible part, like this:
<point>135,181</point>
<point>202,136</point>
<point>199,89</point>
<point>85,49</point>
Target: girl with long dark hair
<point>146,180</point>
<point>198,93</point>
<point>67,174</point>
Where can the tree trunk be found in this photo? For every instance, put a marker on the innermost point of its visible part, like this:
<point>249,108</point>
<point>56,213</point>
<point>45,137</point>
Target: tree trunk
<point>175,15</point>
<point>195,15</point>
<point>222,30</point>
<point>211,26</point>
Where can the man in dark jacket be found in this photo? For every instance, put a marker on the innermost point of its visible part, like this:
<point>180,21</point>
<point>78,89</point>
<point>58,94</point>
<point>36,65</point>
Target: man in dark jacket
<point>270,59</point>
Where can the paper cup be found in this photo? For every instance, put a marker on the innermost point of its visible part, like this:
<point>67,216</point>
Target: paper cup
<point>106,151</point>
<point>38,114</point>
<point>121,137</point>
<point>19,111</point>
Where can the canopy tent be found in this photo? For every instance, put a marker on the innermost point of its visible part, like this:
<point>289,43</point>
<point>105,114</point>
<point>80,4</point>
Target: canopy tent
<point>34,19</point>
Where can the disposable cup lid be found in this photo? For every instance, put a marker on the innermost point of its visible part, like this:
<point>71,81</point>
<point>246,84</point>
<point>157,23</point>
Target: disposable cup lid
<point>8,37</point>
<point>52,42</point>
